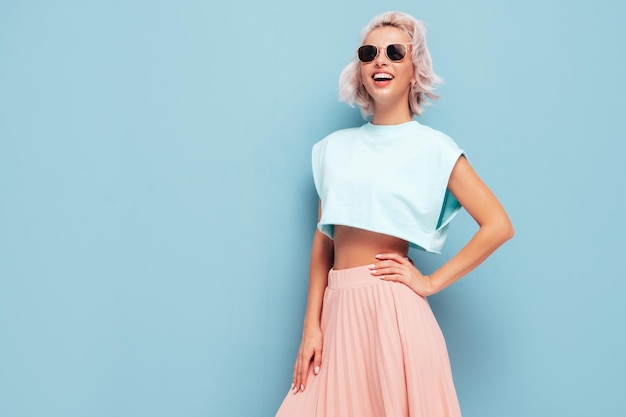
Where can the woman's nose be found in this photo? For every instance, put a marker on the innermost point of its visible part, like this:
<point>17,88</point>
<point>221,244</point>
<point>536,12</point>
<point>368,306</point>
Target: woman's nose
<point>381,58</point>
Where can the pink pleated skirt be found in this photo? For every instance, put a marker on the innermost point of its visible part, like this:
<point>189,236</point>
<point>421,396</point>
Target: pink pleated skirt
<point>383,354</point>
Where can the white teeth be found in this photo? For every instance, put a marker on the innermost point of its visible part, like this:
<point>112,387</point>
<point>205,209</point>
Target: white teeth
<point>382,76</point>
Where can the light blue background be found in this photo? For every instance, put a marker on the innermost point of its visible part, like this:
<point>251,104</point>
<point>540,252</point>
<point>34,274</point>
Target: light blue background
<point>157,206</point>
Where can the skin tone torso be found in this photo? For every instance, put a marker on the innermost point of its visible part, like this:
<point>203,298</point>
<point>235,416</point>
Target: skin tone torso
<point>356,247</point>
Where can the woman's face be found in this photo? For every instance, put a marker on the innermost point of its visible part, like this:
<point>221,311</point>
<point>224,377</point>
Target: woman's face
<point>385,80</point>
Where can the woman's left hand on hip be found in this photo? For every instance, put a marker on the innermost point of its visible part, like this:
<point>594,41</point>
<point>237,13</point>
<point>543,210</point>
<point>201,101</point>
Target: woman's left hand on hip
<point>395,267</point>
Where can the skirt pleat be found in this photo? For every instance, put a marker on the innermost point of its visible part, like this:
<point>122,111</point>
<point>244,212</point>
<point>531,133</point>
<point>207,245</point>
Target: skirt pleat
<point>383,354</point>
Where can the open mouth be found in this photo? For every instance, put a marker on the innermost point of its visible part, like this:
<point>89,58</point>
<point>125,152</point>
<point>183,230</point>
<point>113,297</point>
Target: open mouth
<point>382,76</point>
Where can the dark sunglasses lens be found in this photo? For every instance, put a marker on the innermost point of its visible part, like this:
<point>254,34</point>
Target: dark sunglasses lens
<point>367,53</point>
<point>396,52</point>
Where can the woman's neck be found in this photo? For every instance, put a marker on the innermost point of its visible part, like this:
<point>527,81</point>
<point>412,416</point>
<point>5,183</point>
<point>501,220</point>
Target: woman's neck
<point>391,115</point>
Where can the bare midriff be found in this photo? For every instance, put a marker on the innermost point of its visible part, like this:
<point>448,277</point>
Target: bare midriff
<point>357,247</point>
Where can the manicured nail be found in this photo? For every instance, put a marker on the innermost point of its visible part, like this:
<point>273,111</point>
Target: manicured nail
<point>317,370</point>
<point>373,271</point>
<point>293,385</point>
<point>372,266</point>
<point>302,387</point>
<point>378,255</point>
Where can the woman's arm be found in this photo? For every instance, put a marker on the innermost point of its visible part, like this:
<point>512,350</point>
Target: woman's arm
<point>311,345</point>
<point>495,229</point>
<point>486,210</point>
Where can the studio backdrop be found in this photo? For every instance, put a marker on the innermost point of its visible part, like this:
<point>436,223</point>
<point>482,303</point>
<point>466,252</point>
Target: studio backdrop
<point>157,205</point>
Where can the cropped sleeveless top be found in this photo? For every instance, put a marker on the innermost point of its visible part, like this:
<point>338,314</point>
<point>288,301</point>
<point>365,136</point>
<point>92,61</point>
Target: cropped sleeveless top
<point>390,179</point>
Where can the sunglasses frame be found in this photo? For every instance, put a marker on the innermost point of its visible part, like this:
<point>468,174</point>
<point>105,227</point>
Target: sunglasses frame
<point>407,45</point>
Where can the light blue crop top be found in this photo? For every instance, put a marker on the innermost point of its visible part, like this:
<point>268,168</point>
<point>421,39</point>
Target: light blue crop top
<point>388,179</point>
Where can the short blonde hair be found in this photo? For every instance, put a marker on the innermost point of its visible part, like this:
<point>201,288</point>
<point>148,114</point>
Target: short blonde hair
<point>351,89</point>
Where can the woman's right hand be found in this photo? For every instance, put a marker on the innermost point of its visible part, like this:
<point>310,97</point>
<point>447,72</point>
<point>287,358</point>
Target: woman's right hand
<point>310,354</point>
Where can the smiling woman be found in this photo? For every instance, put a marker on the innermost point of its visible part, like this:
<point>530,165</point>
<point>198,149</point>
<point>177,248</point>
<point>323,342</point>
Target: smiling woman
<point>371,346</point>
<point>388,81</point>
<point>353,90</point>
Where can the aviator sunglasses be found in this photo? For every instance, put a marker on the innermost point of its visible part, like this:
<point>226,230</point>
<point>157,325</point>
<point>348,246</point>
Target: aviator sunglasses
<point>395,52</point>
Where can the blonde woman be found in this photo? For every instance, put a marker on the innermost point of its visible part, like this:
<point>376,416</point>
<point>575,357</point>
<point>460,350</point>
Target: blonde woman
<point>371,346</point>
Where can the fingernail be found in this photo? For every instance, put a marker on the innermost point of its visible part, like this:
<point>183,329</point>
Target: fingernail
<point>373,271</point>
<point>293,385</point>
<point>378,255</point>
<point>372,266</point>
<point>302,387</point>
<point>317,370</point>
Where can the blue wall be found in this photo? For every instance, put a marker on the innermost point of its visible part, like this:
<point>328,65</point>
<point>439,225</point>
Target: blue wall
<point>157,207</point>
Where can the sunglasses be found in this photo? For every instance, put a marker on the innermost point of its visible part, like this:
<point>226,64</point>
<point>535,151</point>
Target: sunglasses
<point>395,52</point>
